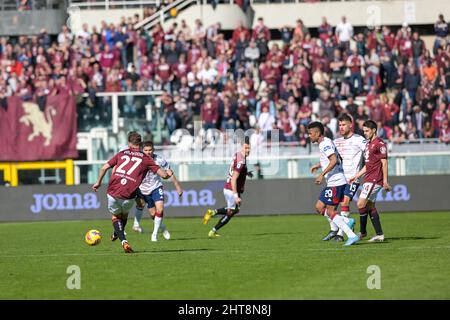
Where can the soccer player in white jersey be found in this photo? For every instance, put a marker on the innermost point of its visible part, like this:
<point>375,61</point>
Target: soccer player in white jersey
<point>151,191</point>
<point>331,195</point>
<point>351,147</point>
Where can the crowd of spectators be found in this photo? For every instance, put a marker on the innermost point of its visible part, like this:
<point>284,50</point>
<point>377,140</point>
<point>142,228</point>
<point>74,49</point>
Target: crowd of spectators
<point>246,80</point>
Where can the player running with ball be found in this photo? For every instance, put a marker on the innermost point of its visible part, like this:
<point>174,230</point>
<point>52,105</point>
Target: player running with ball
<point>151,191</point>
<point>234,187</point>
<point>375,179</point>
<point>351,147</point>
<point>131,165</point>
<point>332,194</point>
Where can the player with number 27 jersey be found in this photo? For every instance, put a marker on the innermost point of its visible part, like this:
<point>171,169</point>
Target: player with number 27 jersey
<point>132,165</point>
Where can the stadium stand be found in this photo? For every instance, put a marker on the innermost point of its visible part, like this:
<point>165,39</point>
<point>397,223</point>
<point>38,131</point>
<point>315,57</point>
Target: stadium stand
<point>244,79</point>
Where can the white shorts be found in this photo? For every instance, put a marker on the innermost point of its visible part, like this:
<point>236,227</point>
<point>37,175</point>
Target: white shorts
<point>118,206</point>
<point>229,198</point>
<point>370,191</point>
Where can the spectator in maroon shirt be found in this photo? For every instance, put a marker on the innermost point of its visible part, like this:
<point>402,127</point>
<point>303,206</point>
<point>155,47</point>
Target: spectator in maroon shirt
<point>428,130</point>
<point>113,78</point>
<point>147,69</point>
<point>107,58</point>
<point>439,116</point>
<point>261,28</point>
<point>303,137</point>
<point>388,37</point>
<point>325,29</point>
<point>444,132</point>
<point>268,73</point>
<point>287,126</point>
<point>404,43</point>
<point>377,111</point>
<point>227,111</point>
<point>241,29</point>
<point>158,36</point>
<point>209,113</point>
<point>163,70</point>
<point>354,63</point>
<point>243,113</point>
<point>441,57</point>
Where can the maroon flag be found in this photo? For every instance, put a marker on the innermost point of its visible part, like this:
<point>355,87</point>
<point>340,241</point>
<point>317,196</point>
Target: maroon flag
<point>31,133</point>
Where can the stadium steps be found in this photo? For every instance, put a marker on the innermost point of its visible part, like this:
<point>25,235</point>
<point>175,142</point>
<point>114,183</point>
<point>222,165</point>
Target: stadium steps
<point>164,14</point>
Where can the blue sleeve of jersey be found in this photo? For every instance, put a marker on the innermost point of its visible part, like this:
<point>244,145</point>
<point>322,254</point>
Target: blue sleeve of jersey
<point>328,150</point>
<point>163,163</point>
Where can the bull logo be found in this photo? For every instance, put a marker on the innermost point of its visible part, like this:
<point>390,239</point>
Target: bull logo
<point>41,123</point>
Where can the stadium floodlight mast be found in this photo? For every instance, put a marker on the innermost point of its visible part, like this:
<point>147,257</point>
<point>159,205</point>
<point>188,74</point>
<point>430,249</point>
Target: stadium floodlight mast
<point>222,145</point>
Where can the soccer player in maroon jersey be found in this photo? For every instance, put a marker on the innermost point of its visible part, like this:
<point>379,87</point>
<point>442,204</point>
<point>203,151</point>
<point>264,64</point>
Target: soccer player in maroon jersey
<point>376,178</point>
<point>233,188</point>
<point>131,165</point>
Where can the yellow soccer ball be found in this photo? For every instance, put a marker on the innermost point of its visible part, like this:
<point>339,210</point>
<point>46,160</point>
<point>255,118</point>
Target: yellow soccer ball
<point>93,237</point>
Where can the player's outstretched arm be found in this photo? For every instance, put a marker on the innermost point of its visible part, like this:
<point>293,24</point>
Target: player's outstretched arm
<point>177,185</point>
<point>314,168</point>
<point>358,175</point>
<point>165,174</point>
<point>101,175</point>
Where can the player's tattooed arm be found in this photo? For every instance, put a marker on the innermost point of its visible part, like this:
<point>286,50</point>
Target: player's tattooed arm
<point>101,175</point>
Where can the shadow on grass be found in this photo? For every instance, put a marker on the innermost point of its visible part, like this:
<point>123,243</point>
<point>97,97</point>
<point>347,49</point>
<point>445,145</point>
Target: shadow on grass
<point>173,250</point>
<point>275,233</point>
<point>410,238</point>
<point>188,238</point>
<point>394,239</point>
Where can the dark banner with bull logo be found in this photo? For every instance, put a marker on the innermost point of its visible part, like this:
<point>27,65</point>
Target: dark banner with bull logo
<point>31,131</point>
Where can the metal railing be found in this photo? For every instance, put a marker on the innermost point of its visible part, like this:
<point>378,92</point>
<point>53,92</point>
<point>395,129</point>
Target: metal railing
<point>113,4</point>
<point>114,96</point>
<point>287,166</point>
<point>160,16</point>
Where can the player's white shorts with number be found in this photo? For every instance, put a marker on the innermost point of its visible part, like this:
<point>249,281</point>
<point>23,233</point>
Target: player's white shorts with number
<point>118,206</point>
<point>370,191</point>
<point>229,198</point>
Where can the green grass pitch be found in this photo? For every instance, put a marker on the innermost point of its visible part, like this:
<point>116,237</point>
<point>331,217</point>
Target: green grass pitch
<point>266,257</point>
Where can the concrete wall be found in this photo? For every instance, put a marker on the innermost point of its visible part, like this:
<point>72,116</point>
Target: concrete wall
<point>262,197</point>
<point>31,22</point>
<point>359,13</point>
<point>228,15</point>
<point>95,17</point>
